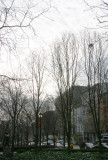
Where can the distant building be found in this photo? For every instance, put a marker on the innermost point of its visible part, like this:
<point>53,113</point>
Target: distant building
<point>82,124</point>
<point>89,134</point>
<point>52,125</point>
<point>78,125</point>
<point>104,113</point>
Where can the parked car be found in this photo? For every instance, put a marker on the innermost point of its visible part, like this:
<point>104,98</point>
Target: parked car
<point>104,145</point>
<point>31,143</point>
<point>89,146</point>
<point>86,145</point>
<point>66,144</point>
<point>59,145</point>
<point>44,143</point>
<point>62,142</point>
<point>50,142</point>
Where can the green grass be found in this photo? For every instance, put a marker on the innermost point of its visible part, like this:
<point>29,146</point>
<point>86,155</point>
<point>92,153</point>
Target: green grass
<point>58,155</point>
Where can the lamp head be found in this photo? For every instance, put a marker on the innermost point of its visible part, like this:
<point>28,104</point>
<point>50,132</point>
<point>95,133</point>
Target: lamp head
<point>91,45</point>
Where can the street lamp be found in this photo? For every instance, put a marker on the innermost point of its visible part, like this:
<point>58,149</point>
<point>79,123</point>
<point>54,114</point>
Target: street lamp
<point>0,121</point>
<point>40,124</point>
<point>91,45</point>
<point>90,49</point>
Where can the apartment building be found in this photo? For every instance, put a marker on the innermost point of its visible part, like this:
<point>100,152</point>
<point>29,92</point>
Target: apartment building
<point>104,113</point>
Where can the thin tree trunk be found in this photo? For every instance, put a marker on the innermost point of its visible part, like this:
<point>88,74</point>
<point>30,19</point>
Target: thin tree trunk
<point>37,130</point>
<point>69,134</point>
<point>13,135</point>
<point>64,135</point>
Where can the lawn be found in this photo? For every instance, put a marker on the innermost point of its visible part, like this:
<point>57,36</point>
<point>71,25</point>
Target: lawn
<point>57,155</point>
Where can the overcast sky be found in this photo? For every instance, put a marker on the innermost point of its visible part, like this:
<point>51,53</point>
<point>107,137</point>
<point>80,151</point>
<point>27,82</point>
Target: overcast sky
<point>63,16</point>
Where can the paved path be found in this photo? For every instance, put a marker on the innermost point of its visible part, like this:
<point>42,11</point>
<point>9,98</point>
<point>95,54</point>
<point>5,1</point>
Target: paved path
<point>76,147</point>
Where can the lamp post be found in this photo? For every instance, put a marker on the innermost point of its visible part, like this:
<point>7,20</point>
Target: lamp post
<point>0,121</point>
<point>40,124</point>
<point>90,46</point>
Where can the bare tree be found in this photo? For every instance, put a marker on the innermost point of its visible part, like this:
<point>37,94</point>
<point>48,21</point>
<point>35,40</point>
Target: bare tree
<point>95,70</point>
<point>65,72</point>
<point>49,119</point>
<point>49,124</point>
<point>17,19</point>
<point>100,11</point>
<point>46,124</point>
<point>37,71</point>
<point>12,102</point>
<point>23,128</point>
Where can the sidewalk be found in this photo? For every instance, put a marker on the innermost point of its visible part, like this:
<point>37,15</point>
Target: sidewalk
<point>76,147</point>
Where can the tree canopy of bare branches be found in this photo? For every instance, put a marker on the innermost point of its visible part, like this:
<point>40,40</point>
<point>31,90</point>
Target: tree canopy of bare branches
<point>17,19</point>
<point>96,68</point>
<point>101,13</point>
<point>12,102</point>
<point>37,72</point>
<point>65,71</point>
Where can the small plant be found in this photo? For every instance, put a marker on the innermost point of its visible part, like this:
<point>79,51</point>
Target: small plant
<point>59,155</point>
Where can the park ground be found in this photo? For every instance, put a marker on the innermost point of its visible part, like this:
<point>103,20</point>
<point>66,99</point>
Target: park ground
<point>57,155</point>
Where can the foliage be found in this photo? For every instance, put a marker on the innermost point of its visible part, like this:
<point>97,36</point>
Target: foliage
<point>59,155</point>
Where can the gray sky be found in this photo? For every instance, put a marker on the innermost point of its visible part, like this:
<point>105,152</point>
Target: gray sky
<point>63,16</point>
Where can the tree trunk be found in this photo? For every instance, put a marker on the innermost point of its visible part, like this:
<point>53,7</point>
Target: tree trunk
<point>64,135</point>
<point>47,139</point>
<point>37,128</point>
<point>13,135</point>
<point>69,134</point>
